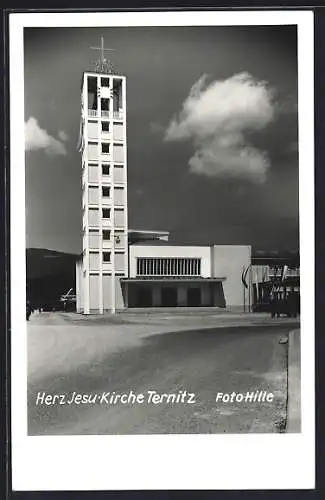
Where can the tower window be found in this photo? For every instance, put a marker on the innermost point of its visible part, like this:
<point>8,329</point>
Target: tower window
<point>92,93</point>
<point>105,82</point>
<point>105,169</point>
<point>105,126</point>
<point>106,235</point>
<point>117,100</point>
<point>106,256</point>
<point>105,107</point>
<point>105,148</point>
<point>106,213</point>
<point>105,191</point>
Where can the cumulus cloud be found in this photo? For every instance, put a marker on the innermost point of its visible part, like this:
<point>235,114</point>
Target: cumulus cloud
<point>38,138</point>
<point>63,136</point>
<point>156,128</point>
<point>217,118</point>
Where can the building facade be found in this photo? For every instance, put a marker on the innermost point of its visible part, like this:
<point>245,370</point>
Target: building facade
<point>186,276</point>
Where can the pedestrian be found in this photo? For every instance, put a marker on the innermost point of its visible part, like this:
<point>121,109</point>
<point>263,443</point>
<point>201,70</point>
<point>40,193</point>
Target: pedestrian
<point>272,304</point>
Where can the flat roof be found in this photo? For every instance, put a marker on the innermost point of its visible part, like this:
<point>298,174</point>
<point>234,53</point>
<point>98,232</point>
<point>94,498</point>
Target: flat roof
<point>144,236</point>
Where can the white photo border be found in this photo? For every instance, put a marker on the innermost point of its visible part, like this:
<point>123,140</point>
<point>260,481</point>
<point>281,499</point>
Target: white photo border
<point>161,462</point>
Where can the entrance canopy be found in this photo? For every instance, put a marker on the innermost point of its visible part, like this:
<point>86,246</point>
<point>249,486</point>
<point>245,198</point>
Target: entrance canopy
<point>173,291</point>
<point>172,280</point>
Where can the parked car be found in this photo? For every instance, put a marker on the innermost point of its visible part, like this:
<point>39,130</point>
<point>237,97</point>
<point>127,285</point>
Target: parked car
<point>68,300</point>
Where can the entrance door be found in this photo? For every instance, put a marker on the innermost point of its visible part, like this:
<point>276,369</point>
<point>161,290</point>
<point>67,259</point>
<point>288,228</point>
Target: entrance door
<point>194,297</point>
<point>169,296</point>
<point>143,297</point>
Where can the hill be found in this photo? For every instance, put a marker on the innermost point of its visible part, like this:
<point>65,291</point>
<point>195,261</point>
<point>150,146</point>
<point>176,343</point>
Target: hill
<point>48,275</point>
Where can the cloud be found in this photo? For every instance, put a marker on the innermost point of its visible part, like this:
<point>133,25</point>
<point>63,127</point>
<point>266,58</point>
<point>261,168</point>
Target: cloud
<point>63,136</point>
<point>216,117</point>
<point>156,128</point>
<point>288,105</point>
<point>38,138</point>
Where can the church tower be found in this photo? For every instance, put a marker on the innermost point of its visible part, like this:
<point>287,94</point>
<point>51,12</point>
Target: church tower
<point>103,148</point>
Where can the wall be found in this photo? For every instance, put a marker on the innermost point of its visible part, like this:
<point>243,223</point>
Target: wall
<point>93,217</point>
<point>118,173</point>
<point>170,251</point>
<point>118,131</point>
<point>118,152</point>
<point>79,286</point>
<point>93,197</point>
<point>119,217</point>
<point>119,262</point>
<point>93,261</point>
<point>92,151</point>
<point>119,196</point>
<point>92,130</point>
<point>229,261</point>
<point>93,173</point>
<point>94,239</point>
<point>107,293</point>
<point>93,292</point>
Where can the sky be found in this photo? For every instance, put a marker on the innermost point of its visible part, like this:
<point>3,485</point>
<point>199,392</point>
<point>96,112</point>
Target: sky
<point>212,130</point>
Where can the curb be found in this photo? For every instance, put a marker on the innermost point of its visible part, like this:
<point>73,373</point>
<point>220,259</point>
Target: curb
<point>294,383</point>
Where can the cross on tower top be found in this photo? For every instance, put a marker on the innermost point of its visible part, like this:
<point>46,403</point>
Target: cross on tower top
<point>103,65</point>
<point>102,50</point>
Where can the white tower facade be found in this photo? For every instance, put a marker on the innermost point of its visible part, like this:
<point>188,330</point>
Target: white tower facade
<point>103,148</point>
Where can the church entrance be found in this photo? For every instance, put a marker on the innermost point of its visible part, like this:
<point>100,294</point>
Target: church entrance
<point>169,296</point>
<point>194,297</point>
<point>143,297</point>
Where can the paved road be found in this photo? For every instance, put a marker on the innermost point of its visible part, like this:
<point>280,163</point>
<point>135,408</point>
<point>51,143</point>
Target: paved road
<point>200,361</point>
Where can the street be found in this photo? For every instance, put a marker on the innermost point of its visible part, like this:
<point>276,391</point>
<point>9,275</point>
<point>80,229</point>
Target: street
<point>68,356</point>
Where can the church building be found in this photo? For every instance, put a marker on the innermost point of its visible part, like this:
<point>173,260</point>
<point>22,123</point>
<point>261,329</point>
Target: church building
<point>124,268</point>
